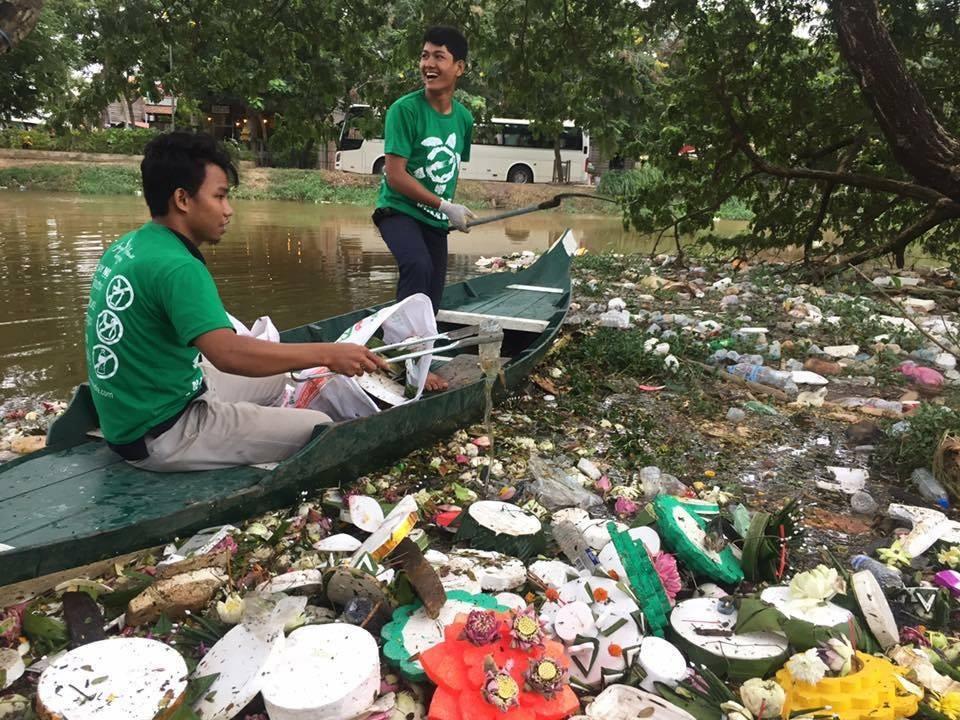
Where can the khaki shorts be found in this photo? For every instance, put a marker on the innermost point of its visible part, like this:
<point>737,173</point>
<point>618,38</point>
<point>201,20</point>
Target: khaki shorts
<point>233,423</point>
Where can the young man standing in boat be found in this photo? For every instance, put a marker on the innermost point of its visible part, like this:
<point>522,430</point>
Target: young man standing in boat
<point>154,309</point>
<point>426,137</point>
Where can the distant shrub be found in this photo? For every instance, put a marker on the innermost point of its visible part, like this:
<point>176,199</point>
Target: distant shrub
<point>119,141</point>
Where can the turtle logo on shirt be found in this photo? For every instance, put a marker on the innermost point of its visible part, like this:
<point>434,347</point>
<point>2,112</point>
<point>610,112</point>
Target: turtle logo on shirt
<point>442,160</point>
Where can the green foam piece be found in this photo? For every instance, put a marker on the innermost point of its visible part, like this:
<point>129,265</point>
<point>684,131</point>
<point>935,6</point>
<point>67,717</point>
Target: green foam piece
<point>726,569</point>
<point>643,579</point>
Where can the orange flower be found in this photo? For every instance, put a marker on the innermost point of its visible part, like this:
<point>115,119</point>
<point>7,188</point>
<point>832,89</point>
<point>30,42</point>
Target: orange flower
<point>552,594</point>
<point>615,650</point>
<point>530,597</point>
<point>613,575</point>
<point>600,595</point>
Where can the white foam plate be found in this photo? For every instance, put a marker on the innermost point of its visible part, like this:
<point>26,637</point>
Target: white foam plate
<point>240,658</point>
<point>116,679</point>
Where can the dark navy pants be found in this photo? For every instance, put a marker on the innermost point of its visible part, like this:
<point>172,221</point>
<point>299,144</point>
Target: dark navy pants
<point>421,254</point>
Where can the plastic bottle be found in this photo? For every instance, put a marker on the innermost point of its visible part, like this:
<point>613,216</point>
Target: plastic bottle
<point>930,488</point>
<point>764,376</point>
<point>650,480</point>
<point>889,578</point>
<point>893,406</point>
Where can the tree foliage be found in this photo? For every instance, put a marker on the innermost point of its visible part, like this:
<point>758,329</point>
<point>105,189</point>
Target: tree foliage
<point>783,116</point>
<point>36,74</point>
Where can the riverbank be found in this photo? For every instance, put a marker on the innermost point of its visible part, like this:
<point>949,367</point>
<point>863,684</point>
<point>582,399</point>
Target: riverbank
<point>633,404</point>
<point>101,174</point>
<point>98,174</point>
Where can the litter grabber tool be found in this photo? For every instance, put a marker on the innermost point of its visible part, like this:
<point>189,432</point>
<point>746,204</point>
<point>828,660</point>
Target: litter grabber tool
<point>455,344</point>
<point>545,205</point>
<point>411,342</point>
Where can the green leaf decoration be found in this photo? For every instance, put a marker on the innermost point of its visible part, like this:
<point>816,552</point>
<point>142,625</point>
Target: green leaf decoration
<point>45,633</point>
<point>163,626</point>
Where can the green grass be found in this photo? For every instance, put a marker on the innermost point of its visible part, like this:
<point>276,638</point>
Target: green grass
<point>86,179</point>
<point>299,185</point>
<point>915,448</point>
<point>305,186</point>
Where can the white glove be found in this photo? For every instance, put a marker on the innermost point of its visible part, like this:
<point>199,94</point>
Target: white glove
<point>457,214</point>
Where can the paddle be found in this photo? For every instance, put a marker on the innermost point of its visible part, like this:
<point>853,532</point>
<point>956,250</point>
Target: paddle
<point>545,205</point>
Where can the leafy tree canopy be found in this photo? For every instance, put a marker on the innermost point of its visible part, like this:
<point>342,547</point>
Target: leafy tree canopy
<point>799,108</point>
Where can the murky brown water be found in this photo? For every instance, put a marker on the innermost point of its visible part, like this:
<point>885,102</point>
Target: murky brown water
<point>294,262</point>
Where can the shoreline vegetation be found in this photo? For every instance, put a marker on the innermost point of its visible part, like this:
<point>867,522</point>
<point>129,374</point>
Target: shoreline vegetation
<point>100,174</point>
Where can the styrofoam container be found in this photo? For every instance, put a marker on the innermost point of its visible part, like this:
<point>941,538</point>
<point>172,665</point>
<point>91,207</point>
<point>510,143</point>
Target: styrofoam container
<point>325,672</point>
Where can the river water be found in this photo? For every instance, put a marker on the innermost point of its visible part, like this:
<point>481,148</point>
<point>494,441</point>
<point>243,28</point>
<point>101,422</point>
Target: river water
<point>294,262</point>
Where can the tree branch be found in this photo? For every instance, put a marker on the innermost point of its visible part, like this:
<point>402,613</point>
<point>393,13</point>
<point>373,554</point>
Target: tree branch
<point>828,189</point>
<point>867,182</point>
<point>927,221</point>
<point>921,145</point>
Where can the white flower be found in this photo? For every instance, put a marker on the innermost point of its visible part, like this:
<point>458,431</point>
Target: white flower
<point>13,706</point>
<point>819,584</point>
<point>231,610</point>
<point>735,711</point>
<point>765,694</point>
<point>807,667</point>
<point>837,654</point>
<point>258,529</point>
<point>407,707</point>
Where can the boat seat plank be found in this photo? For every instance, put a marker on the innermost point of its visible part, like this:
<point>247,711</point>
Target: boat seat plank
<point>457,317</point>
<point>515,303</point>
<point>537,288</point>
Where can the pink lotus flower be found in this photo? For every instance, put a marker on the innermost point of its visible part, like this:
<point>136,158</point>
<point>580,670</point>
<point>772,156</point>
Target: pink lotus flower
<point>604,484</point>
<point>625,508</point>
<point>11,623</point>
<point>666,566</point>
<point>463,460</point>
<point>526,630</point>
<point>482,627</point>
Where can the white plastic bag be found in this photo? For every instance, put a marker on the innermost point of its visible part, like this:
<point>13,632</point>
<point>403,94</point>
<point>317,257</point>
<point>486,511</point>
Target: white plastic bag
<point>344,398</point>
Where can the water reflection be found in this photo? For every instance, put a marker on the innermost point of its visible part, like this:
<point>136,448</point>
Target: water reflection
<point>293,262</point>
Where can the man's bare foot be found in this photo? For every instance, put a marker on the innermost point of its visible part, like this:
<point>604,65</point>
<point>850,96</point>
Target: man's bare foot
<point>435,383</point>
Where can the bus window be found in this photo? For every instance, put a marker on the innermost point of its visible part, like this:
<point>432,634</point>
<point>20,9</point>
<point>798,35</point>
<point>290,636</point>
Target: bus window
<point>359,125</point>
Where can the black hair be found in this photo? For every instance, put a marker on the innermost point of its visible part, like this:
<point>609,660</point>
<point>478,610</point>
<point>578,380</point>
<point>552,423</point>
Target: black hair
<point>179,160</point>
<point>452,38</point>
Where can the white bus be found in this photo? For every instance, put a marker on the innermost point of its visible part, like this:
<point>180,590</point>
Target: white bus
<point>503,149</point>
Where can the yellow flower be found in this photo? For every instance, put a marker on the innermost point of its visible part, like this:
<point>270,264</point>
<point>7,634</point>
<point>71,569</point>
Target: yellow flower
<point>948,704</point>
<point>709,473</point>
<point>950,557</point>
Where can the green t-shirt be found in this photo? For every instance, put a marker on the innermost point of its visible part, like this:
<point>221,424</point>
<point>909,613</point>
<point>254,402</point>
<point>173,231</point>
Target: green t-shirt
<point>434,145</point>
<point>150,298</point>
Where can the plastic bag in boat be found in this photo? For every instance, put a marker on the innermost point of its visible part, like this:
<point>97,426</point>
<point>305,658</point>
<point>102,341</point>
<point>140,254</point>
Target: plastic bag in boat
<point>344,398</point>
<point>263,328</point>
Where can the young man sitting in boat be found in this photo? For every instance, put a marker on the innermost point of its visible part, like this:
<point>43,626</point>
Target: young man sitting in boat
<point>426,136</point>
<point>154,309</point>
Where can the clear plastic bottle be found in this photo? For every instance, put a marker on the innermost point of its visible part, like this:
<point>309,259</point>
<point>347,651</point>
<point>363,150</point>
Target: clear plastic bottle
<point>650,481</point>
<point>930,488</point>
<point>889,578</point>
<point>765,376</point>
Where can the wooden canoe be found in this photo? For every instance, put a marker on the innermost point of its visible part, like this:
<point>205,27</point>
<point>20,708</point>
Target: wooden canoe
<point>76,502</point>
